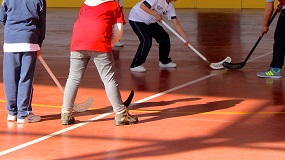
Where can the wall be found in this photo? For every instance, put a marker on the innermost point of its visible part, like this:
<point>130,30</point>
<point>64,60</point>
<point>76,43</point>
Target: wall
<point>178,3</point>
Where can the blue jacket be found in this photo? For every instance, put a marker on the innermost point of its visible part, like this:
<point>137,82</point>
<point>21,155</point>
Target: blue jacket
<point>24,21</point>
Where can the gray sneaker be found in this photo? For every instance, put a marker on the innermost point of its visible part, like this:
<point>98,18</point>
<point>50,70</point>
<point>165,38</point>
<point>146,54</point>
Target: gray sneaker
<point>270,73</point>
<point>125,118</point>
<point>31,118</point>
<point>67,118</point>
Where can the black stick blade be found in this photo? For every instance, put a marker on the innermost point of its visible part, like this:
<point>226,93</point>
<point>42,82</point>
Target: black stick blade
<point>233,66</point>
<point>129,99</point>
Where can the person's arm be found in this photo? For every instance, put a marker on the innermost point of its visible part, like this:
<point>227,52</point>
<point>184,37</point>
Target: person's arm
<point>180,30</point>
<point>146,7</point>
<point>3,14</point>
<point>42,22</point>
<point>269,7</point>
<point>117,33</point>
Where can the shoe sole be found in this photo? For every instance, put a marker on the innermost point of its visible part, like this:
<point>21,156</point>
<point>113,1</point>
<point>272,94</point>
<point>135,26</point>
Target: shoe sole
<point>23,121</point>
<point>137,70</point>
<point>67,122</point>
<point>269,76</point>
<point>11,119</point>
<point>167,66</point>
<point>125,123</point>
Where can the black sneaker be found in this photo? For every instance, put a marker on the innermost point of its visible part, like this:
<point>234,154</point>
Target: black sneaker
<point>67,118</point>
<point>125,118</point>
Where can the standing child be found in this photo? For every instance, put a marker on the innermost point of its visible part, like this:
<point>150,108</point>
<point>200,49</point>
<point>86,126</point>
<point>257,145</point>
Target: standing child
<point>98,27</point>
<point>275,70</point>
<point>143,19</point>
<point>24,31</point>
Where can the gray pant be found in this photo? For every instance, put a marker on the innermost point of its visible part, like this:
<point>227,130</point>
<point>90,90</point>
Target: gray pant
<point>105,65</point>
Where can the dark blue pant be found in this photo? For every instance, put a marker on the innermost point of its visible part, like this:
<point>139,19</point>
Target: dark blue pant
<point>18,74</point>
<point>279,42</point>
<point>145,34</point>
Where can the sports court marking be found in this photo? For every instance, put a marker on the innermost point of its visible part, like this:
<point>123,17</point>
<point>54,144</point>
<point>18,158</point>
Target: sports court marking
<point>209,113</point>
<point>170,112</point>
<point>109,113</point>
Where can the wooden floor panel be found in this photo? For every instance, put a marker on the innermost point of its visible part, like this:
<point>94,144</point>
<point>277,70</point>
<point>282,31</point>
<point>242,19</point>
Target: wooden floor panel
<point>191,112</point>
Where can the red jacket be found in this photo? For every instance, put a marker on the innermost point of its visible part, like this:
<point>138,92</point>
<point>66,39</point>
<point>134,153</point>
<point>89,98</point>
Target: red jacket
<point>282,1</point>
<point>93,27</point>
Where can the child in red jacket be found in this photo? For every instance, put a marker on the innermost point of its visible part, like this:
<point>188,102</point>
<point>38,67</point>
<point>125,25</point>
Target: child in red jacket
<point>98,27</point>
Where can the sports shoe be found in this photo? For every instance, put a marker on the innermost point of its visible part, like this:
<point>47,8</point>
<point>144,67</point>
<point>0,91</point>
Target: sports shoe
<point>31,118</point>
<point>138,69</point>
<point>168,65</point>
<point>67,118</point>
<point>270,73</point>
<point>119,44</point>
<point>125,118</point>
<point>11,117</point>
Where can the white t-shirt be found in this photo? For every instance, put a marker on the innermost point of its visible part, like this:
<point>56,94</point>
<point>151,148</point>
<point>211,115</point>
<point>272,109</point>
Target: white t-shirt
<point>121,3</point>
<point>20,47</point>
<point>159,6</point>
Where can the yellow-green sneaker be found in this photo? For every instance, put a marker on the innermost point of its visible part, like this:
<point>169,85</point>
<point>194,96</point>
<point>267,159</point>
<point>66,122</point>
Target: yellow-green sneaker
<point>270,73</point>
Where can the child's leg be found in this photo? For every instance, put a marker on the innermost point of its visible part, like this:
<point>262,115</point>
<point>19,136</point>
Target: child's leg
<point>106,69</point>
<point>11,76</point>
<point>279,47</point>
<point>145,37</point>
<point>78,64</point>
<point>25,84</point>
<point>161,37</point>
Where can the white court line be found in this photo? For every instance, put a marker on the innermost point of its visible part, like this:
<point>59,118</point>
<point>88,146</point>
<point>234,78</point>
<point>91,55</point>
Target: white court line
<point>53,134</point>
<point>175,88</point>
<point>109,113</point>
<point>98,117</point>
<point>263,55</point>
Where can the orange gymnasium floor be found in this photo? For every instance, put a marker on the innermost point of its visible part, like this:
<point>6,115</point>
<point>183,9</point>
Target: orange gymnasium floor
<point>189,113</point>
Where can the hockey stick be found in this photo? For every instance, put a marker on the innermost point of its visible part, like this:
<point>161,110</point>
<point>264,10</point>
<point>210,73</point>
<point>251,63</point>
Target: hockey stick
<point>218,65</point>
<point>234,66</point>
<point>126,103</point>
<point>81,107</point>
<point>129,99</point>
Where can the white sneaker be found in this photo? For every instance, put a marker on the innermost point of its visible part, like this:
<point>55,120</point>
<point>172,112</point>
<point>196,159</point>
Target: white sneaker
<point>12,118</point>
<point>29,119</point>
<point>138,69</point>
<point>168,65</point>
<point>119,44</point>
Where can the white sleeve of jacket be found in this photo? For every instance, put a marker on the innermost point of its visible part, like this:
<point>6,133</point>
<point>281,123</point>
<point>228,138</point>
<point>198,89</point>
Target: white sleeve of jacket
<point>117,33</point>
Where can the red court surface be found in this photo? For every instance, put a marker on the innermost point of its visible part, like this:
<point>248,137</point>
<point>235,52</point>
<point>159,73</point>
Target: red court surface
<point>189,113</point>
